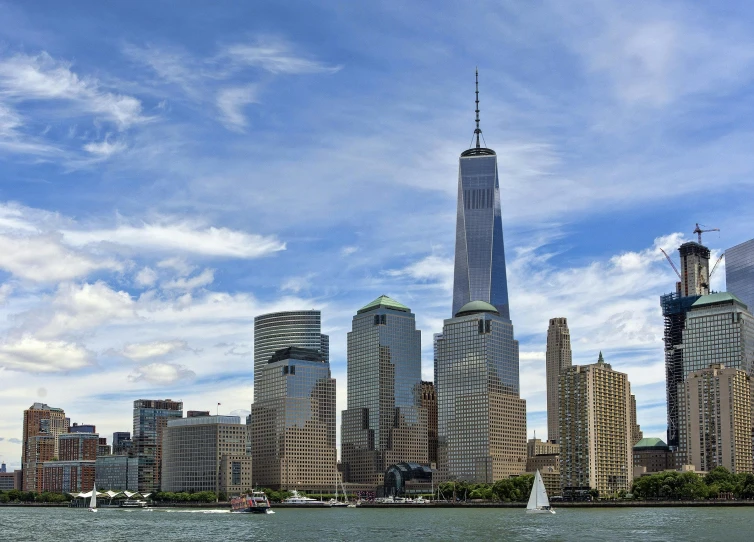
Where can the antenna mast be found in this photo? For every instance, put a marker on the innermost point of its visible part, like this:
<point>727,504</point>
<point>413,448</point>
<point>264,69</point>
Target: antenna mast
<point>478,130</point>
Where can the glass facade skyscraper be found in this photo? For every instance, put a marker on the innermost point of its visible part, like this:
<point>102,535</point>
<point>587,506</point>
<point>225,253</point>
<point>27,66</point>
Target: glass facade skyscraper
<point>739,272</point>
<point>293,422</point>
<point>278,330</point>
<point>481,418</point>
<point>384,423</point>
<point>479,273</point>
<point>150,420</point>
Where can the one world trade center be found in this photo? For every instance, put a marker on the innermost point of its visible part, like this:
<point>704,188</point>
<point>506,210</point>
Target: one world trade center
<point>479,273</point>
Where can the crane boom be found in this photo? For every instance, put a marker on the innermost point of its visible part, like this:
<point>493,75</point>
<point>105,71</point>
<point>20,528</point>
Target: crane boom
<point>671,264</point>
<point>715,266</point>
<point>699,231</point>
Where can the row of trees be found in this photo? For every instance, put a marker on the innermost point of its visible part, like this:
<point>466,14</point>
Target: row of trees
<point>689,486</point>
<point>510,490</point>
<point>199,496</point>
<point>15,495</point>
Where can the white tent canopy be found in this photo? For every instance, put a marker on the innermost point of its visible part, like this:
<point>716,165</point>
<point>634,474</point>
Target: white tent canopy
<point>111,494</point>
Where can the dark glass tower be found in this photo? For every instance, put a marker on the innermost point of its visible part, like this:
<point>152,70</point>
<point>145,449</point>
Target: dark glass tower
<point>479,273</point>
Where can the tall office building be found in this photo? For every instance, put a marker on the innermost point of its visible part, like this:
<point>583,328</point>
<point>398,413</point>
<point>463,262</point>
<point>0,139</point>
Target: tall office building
<point>150,420</point>
<point>122,443</point>
<point>42,426</point>
<point>694,283</point>
<point>278,330</point>
<point>636,433</point>
<point>117,472</point>
<point>719,329</point>
<point>205,453</point>
<point>596,438</point>
<point>384,423</point>
<point>716,420</point>
<point>479,272</point>
<point>558,358</point>
<point>429,404</point>
<point>481,418</point>
<point>293,422</point>
<point>739,272</point>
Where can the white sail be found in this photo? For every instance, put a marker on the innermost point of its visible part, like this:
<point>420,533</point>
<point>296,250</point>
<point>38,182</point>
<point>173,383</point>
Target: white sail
<point>93,501</point>
<point>533,495</point>
<point>541,493</point>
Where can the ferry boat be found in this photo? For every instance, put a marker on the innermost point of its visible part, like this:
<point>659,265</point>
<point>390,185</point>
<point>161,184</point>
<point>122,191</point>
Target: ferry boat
<point>257,503</point>
<point>133,503</point>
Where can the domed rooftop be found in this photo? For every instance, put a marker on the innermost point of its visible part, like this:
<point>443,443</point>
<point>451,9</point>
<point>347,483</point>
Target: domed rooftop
<point>474,307</point>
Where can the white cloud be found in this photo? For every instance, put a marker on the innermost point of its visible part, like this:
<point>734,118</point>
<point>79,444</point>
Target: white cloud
<point>348,250</point>
<point>41,77</point>
<point>105,149</point>
<point>161,373</point>
<point>231,102</point>
<point>43,258</point>
<point>191,283</point>
<point>276,56</point>
<point>30,354</point>
<point>142,351</point>
<point>433,269</point>
<point>296,284</point>
<point>145,277</point>
<point>181,237</point>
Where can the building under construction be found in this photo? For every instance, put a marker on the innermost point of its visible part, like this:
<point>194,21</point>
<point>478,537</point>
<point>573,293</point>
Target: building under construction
<point>693,283</point>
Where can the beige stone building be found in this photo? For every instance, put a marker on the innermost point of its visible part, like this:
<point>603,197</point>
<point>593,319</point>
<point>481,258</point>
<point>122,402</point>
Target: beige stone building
<point>595,428</point>
<point>636,433</point>
<point>715,419</point>
<point>558,359</point>
<point>293,423</point>
<point>206,453</point>
<point>429,404</point>
<point>535,446</point>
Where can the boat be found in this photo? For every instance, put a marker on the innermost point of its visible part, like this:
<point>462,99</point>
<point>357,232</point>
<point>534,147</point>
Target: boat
<point>133,503</point>
<point>335,502</point>
<point>538,501</point>
<point>297,498</point>
<point>93,500</point>
<point>256,503</point>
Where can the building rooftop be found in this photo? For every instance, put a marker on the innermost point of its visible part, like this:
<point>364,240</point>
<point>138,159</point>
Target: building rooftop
<point>474,307</point>
<point>385,302</point>
<point>650,442</point>
<point>205,420</point>
<point>712,299</point>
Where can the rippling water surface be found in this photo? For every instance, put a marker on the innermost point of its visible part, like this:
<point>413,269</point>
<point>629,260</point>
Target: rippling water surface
<point>287,525</point>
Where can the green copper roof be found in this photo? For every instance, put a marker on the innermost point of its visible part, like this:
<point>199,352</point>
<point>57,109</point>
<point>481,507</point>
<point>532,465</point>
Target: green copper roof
<point>650,443</point>
<point>716,298</point>
<point>476,306</point>
<point>385,302</point>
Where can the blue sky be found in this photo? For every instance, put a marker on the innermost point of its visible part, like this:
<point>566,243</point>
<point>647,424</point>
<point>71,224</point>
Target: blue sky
<point>168,171</point>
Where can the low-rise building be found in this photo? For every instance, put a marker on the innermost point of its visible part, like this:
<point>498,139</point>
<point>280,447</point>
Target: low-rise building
<point>7,481</point>
<point>68,476</point>
<point>117,472</point>
<point>206,453</point>
<point>652,454</point>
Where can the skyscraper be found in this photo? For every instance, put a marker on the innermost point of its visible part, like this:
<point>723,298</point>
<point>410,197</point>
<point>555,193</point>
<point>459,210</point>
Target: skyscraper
<point>715,413</point>
<point>278,330</point>
<point>384,423</point>
<point>42,426</point>
<point>596,437</point>
<point>150,420</point>
<point>481,418</point>
<point>694,283</point>
<point>719,329</point>
<point>558,358</point>
<point>479,273</point>
<point>739,272</point>
<point>293,422</point>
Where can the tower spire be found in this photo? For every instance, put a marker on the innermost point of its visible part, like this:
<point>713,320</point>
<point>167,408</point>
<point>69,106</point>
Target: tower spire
<point>478,130</point>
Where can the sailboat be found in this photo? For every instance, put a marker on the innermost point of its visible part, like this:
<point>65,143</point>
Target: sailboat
<point>538,501</point>
<point>93,501</point>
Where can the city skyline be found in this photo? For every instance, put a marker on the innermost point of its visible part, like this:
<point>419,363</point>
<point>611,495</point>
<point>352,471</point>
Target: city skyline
<point>143,234</point>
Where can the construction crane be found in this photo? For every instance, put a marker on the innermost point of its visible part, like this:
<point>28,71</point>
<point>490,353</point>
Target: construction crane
<point>671,264</point>
<point>715,266</point>
<point>699,231</point>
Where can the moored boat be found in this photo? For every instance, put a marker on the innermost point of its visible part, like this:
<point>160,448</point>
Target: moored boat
<point>297,498</point>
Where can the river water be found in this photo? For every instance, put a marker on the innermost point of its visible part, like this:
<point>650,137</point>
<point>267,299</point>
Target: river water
<point>289,525</point>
